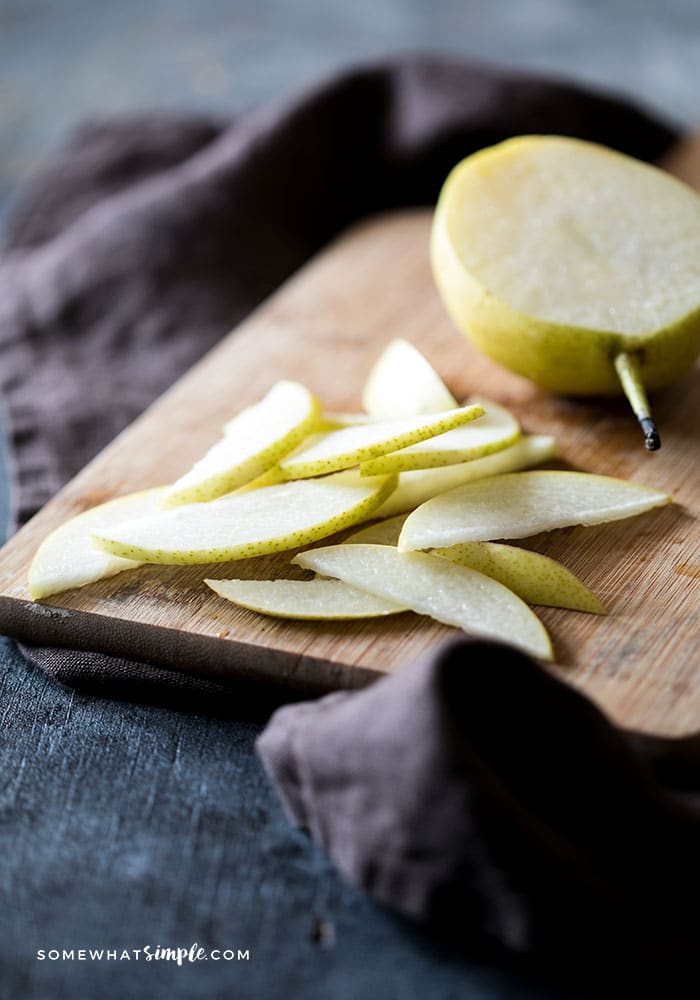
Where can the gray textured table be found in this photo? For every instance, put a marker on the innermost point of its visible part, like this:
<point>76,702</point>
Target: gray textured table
<point>124,826</point>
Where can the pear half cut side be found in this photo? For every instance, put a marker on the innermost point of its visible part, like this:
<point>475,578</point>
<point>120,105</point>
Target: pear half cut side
<point>557,256</point>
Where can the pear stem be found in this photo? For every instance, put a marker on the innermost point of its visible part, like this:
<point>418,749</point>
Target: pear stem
<point>630,375</point>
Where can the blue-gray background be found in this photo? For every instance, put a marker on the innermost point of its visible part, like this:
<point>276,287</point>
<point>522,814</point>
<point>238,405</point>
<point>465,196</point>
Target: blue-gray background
<point>123,825</point>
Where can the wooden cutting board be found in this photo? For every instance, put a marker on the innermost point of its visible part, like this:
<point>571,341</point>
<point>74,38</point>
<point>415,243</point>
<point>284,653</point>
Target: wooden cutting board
<point>324,328</point>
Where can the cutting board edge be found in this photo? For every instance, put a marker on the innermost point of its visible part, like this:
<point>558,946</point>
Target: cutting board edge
<point>38,624</point>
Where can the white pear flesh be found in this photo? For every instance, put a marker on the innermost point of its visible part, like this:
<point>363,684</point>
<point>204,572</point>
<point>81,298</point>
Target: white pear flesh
<point>496,430</point>
<point>385,532</point>
<point>532,576</point>
<point>428,585</point>
<point>253,442</point>
<point>67,559</point>
<point>402,382</point>
<point>334,421</point>
<point>312,600</point>
<point>247,524</point>
<point>415,487</point>
<point>341,449</point>
<point>520,504</point>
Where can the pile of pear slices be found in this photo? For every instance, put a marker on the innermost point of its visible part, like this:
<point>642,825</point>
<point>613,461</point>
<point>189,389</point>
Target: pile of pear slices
<point>440,476</point>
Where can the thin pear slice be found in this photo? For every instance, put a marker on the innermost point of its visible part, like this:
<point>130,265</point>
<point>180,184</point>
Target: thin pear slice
<point>403,382</point>
<point>385,532</point>
<point>67,558</point>
<point>246,524</point>
<point>493,432</point>
<point>252,443</point>
<point>331,421</point>
<point>520,504</point>
<point>351,445</point>
<point>422,484</point>
<point>436,587</point>
<point>314,600</point>
<point>532,576</point>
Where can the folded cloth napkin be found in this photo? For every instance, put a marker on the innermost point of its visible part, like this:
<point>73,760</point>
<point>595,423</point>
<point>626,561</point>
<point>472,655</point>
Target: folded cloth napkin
<point>148,238</point>
<point>476,793</point>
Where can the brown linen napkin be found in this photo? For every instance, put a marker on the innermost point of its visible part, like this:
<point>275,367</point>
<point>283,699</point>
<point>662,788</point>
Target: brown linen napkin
<point>148,238</point>
<point>478,794</point>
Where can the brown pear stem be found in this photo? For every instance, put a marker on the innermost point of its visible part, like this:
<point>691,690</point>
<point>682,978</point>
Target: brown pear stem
<point>630,375</point>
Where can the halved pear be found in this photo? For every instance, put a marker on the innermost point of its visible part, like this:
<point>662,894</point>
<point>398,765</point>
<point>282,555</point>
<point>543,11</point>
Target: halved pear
<point>315,600</point>
<point>403,382</point>
<point>416,487</point>
<point>246,524</point>
<point>67,558</point>
<point>253,442</point>
<point>573,265</point>
<point>519,504</point>
<point>351,445</point>
<point>493,432</point>
<point>532,576</point>
<point>436,587</point>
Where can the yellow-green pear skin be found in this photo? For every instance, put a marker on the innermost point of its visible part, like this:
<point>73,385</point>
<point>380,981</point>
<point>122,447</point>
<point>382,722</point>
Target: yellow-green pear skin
<point>535,578</point>
<point>609,249</point>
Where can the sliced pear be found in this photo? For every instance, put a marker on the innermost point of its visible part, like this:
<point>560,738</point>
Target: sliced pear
<point>335,421</point>
<point>380,533</point>
<point>422,484</point>
<point>493,432</point>
<point>67,558</point>
<point>524,503</point>
<point>403,382</point>
<point>252,443</point>
<point>351,445</point>
<point>316,600</point>
<point>532,576</point>
<point>246,524</point>
<point>436,587</point>
<point>272,477</point>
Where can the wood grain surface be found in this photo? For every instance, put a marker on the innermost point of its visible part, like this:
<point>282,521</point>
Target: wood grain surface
<point>324,328</point>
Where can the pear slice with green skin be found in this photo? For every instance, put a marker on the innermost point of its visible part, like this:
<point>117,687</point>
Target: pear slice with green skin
<point>535,578</point>
<point>253,442</point>
<point>385,532</point>
<point>496,430</point>
<point>67,559</point>
<point>520,504</point>
<point>271,477</point>
<point>247,524</point>
<point>347,447</point>
<point>454,595</point>
<point>403,382</point>
<point>573,265</point>
<point>532,576</point>
<point>336,421</point>
<point>306,600</point>
<point>416,487</point>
